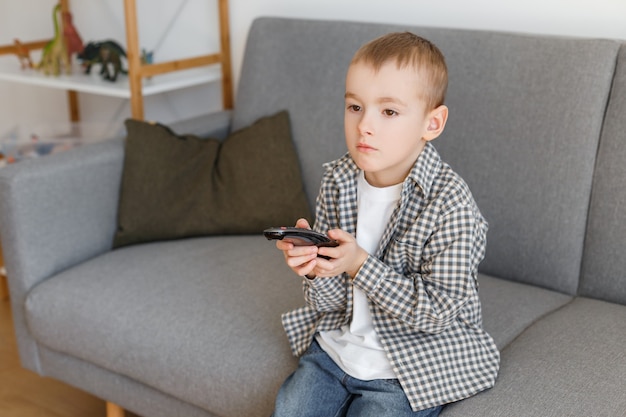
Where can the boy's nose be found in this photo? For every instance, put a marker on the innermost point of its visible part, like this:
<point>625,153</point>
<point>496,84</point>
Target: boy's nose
<point>365,126</point>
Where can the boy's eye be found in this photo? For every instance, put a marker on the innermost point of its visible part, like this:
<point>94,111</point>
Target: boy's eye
<point>354,107</point>
<point>389,112</point>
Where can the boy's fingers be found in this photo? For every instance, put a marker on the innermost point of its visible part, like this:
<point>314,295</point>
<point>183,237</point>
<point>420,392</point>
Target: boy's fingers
<point>307,268</point>
<point>284,245</point>
<point>302,250</point>
<point>340,235</point>
<point>328,251</point>
<point>303,223</point>
<point>299,262</point>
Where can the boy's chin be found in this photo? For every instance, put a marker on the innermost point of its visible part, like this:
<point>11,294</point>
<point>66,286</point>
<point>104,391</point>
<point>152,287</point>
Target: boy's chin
<point>364,162</point>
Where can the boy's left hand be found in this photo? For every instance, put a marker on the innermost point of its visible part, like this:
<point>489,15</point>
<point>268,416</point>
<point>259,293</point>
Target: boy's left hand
<point>347,257</point>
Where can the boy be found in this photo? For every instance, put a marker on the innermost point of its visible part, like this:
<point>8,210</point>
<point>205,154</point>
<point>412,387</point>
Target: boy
<point>392,321</point>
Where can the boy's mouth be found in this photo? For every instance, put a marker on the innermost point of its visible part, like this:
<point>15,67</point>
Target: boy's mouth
<point>364,147</point>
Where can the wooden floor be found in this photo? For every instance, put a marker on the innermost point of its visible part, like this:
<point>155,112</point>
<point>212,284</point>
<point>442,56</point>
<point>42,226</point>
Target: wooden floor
<point>25,394</point>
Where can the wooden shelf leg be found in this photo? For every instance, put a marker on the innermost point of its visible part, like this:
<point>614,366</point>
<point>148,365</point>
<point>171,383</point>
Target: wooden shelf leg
<point>4,288</point>
<point>4,285</point>
<point>133,59</point>
<point>72,99</point>
<point>114,410</point>
<point>227,78</point>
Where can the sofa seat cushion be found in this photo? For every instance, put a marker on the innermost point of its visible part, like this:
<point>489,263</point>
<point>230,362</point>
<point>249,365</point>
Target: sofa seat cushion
<point>509,307</point>
<point>570,363</point>
<point>184,317</point>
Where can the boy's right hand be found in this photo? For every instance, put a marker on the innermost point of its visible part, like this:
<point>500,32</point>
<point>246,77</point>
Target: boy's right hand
<point>301,259</point>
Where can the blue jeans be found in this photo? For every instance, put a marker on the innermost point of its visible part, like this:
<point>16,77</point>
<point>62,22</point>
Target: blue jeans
<point>319,388</point>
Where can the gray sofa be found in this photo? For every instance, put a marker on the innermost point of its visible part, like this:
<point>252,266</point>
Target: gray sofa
<point>192,327</point>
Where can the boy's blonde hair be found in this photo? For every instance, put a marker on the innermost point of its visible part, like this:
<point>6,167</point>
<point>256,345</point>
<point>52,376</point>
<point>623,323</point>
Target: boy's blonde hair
<point>408,49</point>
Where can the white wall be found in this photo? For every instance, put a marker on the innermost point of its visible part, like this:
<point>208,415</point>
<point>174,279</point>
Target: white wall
<point>194,33</point>
<point>583,18</point>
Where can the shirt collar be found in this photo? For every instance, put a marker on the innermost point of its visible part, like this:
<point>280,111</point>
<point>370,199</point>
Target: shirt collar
<point>426,167</point>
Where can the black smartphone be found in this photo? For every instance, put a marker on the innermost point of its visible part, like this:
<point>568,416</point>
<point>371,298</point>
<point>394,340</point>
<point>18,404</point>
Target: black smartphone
<point>299,237</point>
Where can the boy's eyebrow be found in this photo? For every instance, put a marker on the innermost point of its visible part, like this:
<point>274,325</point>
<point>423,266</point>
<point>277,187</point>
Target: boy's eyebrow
<point>380,100</point>
<point>391,100</point>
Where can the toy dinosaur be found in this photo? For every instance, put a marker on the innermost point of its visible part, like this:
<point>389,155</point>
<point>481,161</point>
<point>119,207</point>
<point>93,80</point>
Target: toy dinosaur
<point>23,54</point>
<point>54,55</point>
<point>107,53</point>
<point>72,38</point>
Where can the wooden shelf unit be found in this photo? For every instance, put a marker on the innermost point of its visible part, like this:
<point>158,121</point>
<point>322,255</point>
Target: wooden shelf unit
<point>168,76</point>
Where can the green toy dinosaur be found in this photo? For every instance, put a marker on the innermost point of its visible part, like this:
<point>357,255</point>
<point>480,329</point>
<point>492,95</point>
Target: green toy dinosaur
<point>107,53</point>
<point>54,55</point>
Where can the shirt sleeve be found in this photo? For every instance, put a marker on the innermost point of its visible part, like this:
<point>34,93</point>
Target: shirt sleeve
<point>430,299</point>
<point>329,293</point>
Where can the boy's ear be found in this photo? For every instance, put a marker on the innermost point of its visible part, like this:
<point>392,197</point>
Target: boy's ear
<point>437,119</point>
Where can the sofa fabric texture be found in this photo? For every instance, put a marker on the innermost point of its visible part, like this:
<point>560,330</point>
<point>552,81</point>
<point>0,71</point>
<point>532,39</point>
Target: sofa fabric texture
<point>240,315</point>
<point>570,363</point>
<point>604,262</point>
<point>191,326</point>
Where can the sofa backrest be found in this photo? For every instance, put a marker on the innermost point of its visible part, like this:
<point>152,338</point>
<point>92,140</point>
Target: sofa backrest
<point>524,125</point>
<point>604,263</point>
<point>526,117</point>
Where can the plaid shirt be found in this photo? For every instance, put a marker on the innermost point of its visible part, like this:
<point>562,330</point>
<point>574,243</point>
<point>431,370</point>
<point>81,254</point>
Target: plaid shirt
<point>422,282</point>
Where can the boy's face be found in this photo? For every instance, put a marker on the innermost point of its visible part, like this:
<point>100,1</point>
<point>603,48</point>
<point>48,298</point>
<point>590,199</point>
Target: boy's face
<point>386,122</point>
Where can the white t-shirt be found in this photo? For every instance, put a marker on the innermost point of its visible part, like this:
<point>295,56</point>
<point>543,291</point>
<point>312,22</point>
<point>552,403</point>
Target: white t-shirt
<point>356,348</point>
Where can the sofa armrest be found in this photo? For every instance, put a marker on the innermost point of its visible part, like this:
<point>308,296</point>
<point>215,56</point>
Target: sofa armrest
<point>56,212</point>
<point>61,210</point>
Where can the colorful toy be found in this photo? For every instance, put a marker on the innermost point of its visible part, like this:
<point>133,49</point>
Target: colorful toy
<point>14,149</point>
<point>54,55</point>
<point>147,57</point>
<point>72,39</point>
<point>23,54</point>
<point>107,53</point>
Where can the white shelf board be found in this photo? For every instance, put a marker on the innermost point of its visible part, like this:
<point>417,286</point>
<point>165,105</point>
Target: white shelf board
<point>94,84</point>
